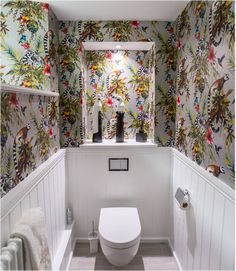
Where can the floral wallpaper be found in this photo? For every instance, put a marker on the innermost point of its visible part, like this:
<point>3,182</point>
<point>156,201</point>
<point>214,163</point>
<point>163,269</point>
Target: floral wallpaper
<point>205,86</point>
<point>125,74</point>
<point>192,66</point>
<point>29,123</point>
<point>28,45</point>
<point>71,36</point>
<point>29,135</point>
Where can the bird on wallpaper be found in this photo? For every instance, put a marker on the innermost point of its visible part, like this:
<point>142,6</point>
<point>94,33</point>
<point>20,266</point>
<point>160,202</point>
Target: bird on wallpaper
<point>167,128</point>
<point>217,149</point>
<point>144,28</point>
<point>220,60</point>
<point>93,81</point>
<point>138,58</point>
<point>63,77</point>
<point>118,61</point>
<point>23,39</point>
<point>169,27</point>
<point>23,108</point>
<point>117,73</point>
<point>196,101</point>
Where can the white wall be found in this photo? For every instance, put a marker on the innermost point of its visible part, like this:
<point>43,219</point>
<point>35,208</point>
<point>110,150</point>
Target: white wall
<point>202,237</point>
<point>145,185</point>
<point>44,187</point>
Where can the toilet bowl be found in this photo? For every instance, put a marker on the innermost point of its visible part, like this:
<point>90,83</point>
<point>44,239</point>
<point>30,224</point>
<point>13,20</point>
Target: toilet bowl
<point>119,234</point>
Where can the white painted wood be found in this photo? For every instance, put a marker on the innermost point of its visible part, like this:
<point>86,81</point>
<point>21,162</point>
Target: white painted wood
<point>228,238</point>
<point>34,198</point>
<point>23,90</point>
<point>111,144</point>
<point>202,237</point>
<point>146,185</point>
<point>122,46</point>
<point>5,230</point>
<point>216,232</point>
<point>25,203</point>
<point>200,197</point>
<point>14,216</point>
<point>45,187</point>
<point>207,226</point>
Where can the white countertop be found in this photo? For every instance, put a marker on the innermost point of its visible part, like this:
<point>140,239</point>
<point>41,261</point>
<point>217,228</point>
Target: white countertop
<point>112,143</point>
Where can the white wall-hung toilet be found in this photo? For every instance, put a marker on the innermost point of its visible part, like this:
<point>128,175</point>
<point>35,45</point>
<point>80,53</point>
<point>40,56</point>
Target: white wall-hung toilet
<point>119,234</point>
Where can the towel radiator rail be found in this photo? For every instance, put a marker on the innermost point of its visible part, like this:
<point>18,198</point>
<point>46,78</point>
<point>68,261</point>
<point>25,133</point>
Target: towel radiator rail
<point>12,255</point>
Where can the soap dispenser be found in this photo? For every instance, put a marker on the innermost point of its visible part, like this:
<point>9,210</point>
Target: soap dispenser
<point>120,121</point>
<point>97,123</point>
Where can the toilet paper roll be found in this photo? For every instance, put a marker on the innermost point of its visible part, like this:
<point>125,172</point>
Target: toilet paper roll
<point>182,198</point>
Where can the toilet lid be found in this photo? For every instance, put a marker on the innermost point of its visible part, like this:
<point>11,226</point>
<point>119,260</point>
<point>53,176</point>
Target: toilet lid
<point>119,227</point>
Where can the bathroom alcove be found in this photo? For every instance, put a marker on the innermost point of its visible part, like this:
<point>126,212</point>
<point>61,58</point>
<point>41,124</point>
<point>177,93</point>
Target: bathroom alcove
<point>125,69</point>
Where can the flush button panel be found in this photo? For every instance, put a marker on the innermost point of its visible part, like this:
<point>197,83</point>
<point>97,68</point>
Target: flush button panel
<point>118,164</point>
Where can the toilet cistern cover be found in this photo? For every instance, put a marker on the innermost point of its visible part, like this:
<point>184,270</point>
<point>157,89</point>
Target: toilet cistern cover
<point>119,225</point>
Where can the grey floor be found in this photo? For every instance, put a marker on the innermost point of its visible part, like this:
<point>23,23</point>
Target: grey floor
<point>150,256</point>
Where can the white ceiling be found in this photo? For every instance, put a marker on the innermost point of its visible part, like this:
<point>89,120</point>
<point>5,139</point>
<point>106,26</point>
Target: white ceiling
<point>104,46</point>
<point>117,10</point>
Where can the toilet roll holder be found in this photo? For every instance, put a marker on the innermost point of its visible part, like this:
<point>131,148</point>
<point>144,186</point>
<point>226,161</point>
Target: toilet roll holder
<point>183,199</point>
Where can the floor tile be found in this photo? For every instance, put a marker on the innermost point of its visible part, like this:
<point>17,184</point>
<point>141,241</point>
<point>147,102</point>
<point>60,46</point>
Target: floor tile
<point>150,256</point>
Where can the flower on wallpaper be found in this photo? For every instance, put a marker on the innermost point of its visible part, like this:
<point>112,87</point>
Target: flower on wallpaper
<point>13,102</point>
<point>109,55</point>
<point>47,70</point>
<point>135,23</point>
<point>46,6</point>
<point>211,56</point>
<point>209,136</point>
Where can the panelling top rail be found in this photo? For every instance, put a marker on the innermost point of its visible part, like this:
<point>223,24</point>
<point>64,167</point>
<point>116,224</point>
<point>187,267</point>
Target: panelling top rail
<point>23,90</point>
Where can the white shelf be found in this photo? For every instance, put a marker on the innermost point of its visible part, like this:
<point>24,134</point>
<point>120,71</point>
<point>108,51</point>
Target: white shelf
<point>23,90</point>
<point>112,143</point>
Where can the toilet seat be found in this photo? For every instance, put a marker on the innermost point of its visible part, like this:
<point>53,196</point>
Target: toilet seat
<point>119,227</point>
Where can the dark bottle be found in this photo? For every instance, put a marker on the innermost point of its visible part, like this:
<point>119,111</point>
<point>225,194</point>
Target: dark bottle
<point>97,137</point>
<point>141,136</point>
<point>120,126</point>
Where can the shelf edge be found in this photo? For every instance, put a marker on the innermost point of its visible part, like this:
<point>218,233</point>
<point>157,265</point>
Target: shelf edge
<point>23,90</point>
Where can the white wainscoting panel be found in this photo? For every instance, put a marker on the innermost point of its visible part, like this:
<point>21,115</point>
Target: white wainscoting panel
<point>202,237</point>
<point>145,186</point>
<point>45,187</point>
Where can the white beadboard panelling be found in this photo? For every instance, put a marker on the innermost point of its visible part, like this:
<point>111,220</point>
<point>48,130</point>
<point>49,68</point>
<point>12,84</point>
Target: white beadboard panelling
<point>5,230</point>
<point>216,233</point>
<point>45,187</point>
<point>200,197</point>
<point>207,227</point>
<point>145,185</point>
<point>34,198</point>
<point>228,238</point>
<point>48,215</point>
<point>14,216</point>
<point>203,236</point>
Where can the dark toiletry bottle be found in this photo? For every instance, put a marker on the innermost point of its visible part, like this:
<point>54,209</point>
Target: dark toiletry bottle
<point>120,126</point>
<point>97,137</point>
<point>141,136</point>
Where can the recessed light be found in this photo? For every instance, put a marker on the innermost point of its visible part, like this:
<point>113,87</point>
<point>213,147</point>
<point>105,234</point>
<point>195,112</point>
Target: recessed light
<point>118,46</point>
